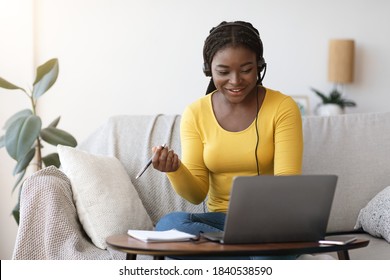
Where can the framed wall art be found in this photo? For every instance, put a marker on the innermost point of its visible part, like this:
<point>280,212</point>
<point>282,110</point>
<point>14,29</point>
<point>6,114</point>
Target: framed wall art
<point>303,104</point>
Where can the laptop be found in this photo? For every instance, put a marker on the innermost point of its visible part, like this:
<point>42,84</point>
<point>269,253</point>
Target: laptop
<point>268,209</point>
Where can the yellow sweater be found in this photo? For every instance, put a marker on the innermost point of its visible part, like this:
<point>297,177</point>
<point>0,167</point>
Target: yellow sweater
<point>212,156</point>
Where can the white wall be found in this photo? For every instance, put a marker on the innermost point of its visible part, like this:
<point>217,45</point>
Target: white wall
<point>145,57</point>
<point>16,65</point>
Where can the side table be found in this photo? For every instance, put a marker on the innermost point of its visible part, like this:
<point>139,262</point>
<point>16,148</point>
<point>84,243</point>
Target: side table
<point>203,247</point>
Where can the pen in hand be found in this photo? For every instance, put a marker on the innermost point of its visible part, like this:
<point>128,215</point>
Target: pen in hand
<point>147,165</point>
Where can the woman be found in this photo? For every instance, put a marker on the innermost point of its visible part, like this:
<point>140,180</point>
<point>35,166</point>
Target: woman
<point>238,128</point>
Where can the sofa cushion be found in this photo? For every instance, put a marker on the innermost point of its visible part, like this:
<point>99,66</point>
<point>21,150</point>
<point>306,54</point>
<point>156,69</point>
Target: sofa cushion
<point>356,148</point>
<point>374,218</point>
<point>130,139</point>
<point>105,198</point>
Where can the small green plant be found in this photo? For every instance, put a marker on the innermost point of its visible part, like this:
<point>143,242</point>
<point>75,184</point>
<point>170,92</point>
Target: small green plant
<point>334,97</point>
<point>24,135</point>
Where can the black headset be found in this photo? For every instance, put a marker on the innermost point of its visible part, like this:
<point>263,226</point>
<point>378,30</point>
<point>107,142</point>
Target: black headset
<point>261,65</point>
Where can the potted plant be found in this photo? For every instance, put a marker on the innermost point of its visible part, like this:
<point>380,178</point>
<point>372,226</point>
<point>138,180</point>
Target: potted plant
<point>24,135</point>
<point>333,103</point>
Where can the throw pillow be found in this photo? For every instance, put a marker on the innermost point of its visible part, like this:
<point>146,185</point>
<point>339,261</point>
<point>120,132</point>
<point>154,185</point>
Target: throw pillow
<point>375,217</point>
<point>106,200</point>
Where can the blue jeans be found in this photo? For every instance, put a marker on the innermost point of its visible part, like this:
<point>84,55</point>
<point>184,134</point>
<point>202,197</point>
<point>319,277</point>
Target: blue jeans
<point>195,223</point>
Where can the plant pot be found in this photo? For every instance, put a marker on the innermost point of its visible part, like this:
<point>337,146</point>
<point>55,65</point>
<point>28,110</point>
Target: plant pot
<point>329,110</point>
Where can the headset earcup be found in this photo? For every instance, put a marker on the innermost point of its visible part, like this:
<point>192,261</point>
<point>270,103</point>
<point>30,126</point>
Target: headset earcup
<point>261,65</point>
<point>206,69</point>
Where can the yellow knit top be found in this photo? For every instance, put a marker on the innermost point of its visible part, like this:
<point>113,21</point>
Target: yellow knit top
<point>212,156</point>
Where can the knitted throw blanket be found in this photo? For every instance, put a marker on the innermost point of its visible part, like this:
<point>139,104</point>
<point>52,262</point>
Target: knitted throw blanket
<point>49,226</point>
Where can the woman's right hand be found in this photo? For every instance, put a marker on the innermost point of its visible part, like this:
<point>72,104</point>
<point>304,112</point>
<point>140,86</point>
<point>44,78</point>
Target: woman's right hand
<point>164,159</point>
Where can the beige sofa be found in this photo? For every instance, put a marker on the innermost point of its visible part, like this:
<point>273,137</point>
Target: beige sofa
<point>356,147</point>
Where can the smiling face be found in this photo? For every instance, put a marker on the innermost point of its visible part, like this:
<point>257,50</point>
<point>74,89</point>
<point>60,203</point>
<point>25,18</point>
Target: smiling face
<point>234,72</point>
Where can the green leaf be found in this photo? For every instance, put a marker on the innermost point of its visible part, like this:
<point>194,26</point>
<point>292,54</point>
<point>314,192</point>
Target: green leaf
<point>57,136</point>
<point>349,103</point>
<point>52,159</point>
<point>55,122</point>
<point>12,136</point>
<point>18,180</point>
<point>16,213</point>
<point>28,135</point>
<point>335,95</point>
<point>2,141</point>
<point>24,162</point>
<point>16,210</point>
<point>7,85</point>
<point>47,75</point>
<point>14,117</point>
<point>321,95</point>
<point>21,135</point>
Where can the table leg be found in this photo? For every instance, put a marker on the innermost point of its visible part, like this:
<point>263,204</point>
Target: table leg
<point>343,255</point>
<point>131,256</point>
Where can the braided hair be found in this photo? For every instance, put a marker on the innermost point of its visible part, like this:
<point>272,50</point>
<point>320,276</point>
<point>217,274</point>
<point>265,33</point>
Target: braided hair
<point>232,34</point>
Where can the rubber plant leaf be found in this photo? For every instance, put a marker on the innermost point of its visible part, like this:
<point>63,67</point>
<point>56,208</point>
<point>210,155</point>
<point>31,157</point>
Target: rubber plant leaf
<point>19,179</point>
<point>57,136</point>
<point>55,122</point>
<point>12,135</point>
<point>14,117</point>
<point>16,210</point>
<point>47,75</point>
<point>24,161</point>
<point>7,85</point>
<point>52,159</point>
<point>21,136</point>
<point>2,141</point>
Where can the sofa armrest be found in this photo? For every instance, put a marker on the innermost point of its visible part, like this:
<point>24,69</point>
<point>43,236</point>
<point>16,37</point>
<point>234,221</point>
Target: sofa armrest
<point>49,227</point>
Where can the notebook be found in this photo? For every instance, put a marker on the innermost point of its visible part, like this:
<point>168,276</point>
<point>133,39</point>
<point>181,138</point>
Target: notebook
<point>172,235</point>
<point>268,209</point>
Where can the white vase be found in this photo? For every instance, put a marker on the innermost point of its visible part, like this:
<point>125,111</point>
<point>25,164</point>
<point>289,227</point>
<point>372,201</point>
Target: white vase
<point>329,110</point>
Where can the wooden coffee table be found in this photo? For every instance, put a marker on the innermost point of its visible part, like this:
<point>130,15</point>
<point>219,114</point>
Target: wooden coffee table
<point>202,247</point>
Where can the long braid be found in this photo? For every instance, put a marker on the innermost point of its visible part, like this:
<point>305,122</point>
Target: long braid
<point>238,33</point>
